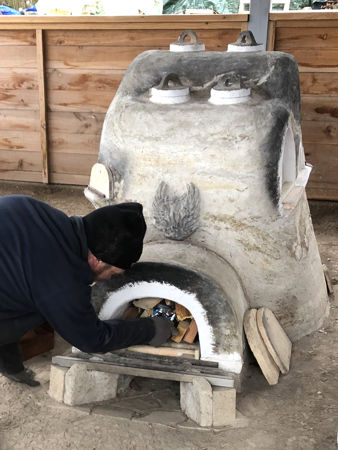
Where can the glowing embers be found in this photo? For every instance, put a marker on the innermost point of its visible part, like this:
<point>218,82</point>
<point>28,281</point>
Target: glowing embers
<point>229,90</point>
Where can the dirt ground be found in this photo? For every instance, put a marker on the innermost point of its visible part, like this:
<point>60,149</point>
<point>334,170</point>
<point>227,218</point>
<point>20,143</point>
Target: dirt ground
<point>301,412</point>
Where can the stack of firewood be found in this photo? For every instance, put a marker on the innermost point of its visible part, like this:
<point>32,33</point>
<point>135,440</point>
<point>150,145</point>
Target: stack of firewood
<point>180,316</point>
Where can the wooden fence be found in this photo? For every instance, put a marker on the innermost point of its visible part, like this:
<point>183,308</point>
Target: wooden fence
<point>313,39</point>
<point>58,76</point>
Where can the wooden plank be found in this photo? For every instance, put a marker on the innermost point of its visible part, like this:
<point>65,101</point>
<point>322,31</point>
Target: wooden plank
<point>270,45</point>
<point>307,23</point>
<point>165,351</point>
<point>141,21</point>
<point>90,26</point>
<point>310,38</point>
<point>18,79</point>
<point>92,57</point>
<point>19,161</point>
<point>320,132</point>
<point>159,373</point>
<point>19,140</point>
<point>78,101</point>
<point>324,159</point>
<point>307,16</point>
<point>12,119</point>
<point>65,178</point>
<point>319,83</point>
<point>75,122</point>
<point>321,108</point>
<point>17,37</point>
<point>84,79</point>
<point>12,175</point>
<point>316,60</point>
<point>17,56</point>
<point>42,103</point>
<point>77,164</point>
<point>137,38</point>
<point>318,193</point>
<point>87,144</point>
<point>19,99</point>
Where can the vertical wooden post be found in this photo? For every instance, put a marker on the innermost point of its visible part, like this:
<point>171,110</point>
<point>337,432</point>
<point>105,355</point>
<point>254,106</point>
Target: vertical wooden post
<point>40,64</point>
<point>271,35</point>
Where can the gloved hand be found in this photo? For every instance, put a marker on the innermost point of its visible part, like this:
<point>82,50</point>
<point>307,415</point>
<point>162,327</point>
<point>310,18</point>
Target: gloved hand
<point>163,331</point>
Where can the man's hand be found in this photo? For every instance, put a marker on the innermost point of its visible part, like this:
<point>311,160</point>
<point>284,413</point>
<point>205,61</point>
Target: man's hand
<point>163,331</point>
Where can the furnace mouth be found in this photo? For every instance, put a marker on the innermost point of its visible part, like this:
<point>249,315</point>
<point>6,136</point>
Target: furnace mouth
<point>184,341</point>
<point>187,297</point>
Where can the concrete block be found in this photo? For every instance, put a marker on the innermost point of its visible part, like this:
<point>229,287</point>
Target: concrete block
<point>208,405</point>
<point>223,406</point>
<point>196,401</point>
<point>123,383</point>
<point>57,382</point>
<point>87,386</point>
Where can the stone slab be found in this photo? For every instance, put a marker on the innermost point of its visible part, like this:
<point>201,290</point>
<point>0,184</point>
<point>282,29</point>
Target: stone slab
<point>275,339</point>
<point>110,410</point>
<point>57,382</point>
<point>196,401</point>
<point>223,406</point>
<point>169,418</point>
<point>86,386</point>
<point>268,366</point>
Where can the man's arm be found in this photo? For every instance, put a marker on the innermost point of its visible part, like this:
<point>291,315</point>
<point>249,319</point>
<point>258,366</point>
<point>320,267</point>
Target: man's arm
<point>73,317</point>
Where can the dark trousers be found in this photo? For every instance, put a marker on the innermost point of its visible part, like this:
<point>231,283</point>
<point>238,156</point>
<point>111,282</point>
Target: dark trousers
<point>11,330</point>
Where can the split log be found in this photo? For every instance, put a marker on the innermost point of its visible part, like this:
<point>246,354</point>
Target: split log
<point>191,333</point>
<point>130,313</point>
<point>182,328</point>
<point>147,303</point>
<point>182,313</point>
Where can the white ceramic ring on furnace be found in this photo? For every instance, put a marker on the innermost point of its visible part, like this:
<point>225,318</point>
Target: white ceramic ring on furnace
<point>229,97</point>
<point>165,95</point>
<point>246,42</point>
<point>193,45</point>
<point>245,48</point>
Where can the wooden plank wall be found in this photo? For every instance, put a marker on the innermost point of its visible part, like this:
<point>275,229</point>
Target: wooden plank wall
<point>20,156</point>
<point>313,39</point>
<point>84,60</point>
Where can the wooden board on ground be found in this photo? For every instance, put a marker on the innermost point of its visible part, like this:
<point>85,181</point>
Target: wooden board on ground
<point>266,363</point>
<point>328,280</point>
<point>275,338</point>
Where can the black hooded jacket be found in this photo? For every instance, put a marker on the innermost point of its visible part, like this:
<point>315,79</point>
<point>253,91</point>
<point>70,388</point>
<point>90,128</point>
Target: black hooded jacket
<point>44,272</point>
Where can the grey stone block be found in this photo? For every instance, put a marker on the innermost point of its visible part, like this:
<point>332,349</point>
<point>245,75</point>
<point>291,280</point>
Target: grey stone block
<point>87,386</point>
<point>57,382</point>
<point>208,405</point>
<point>196,401</point>
<point>223,406</point>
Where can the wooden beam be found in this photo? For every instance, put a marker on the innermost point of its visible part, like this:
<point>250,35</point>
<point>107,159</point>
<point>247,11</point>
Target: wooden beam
<point>270,46</point>
<point>40,65</point>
